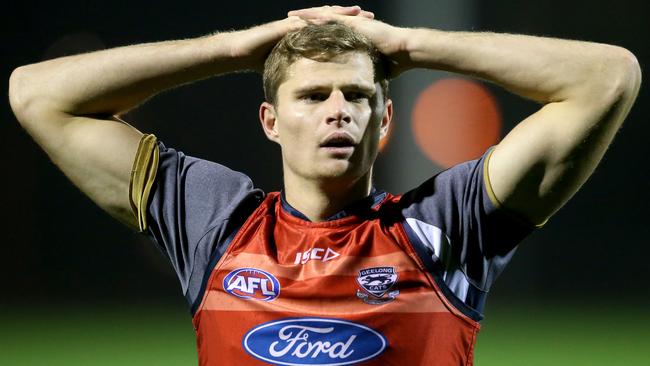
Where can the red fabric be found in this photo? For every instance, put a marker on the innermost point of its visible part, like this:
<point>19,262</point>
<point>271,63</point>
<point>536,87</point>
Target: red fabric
<point>420,325</point>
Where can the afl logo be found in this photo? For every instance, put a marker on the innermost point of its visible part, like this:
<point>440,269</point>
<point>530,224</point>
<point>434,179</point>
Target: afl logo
<point>252,283</point>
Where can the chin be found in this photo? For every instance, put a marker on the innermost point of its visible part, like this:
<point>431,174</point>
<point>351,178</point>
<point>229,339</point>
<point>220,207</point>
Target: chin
<point>338,169</point>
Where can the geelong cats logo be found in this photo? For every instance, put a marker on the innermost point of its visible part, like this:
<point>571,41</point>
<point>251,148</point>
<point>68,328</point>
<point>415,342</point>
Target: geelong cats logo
<point>377,283</point>
<point>314,341</point>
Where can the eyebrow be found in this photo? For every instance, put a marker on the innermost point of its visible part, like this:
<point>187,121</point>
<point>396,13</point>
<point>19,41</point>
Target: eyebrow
<point>345,88</point>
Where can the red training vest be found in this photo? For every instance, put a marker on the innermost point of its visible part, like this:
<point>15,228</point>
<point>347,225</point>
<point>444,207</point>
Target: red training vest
<point>342,292</point>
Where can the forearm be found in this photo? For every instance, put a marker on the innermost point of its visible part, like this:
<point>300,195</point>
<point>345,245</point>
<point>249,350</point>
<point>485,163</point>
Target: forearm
<point>115,80</point>
<point>538,68</point>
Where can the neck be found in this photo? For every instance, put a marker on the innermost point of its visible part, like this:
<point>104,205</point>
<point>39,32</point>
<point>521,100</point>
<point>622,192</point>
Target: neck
<point>319,199</point>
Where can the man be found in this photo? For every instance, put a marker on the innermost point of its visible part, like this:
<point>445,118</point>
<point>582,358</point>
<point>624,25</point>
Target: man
<point>331,271</point>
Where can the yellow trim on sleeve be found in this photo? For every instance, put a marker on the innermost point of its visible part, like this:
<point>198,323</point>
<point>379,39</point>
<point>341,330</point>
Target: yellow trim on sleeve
<point>493,198</point>
<point>488,185</point>
<point>143,175</point>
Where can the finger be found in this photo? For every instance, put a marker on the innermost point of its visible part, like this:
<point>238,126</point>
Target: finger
<point>300,12</point>
<point>318,17</point>
<point>347,10</point>
<point>324,10</point>
<point>295,13</point>
<point>314,10</point>
<point>296,23</point>
<point>367,14</point>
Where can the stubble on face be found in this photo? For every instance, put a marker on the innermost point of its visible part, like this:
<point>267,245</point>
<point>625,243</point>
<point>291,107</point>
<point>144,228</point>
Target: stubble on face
<point>320,100</point>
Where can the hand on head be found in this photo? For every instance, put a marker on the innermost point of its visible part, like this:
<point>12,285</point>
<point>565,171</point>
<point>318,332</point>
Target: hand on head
<point>388,39</point>
<point>324,14</point>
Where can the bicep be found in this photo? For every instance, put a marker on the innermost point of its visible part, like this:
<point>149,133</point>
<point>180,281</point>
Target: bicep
<point>545,159</point>
<point>95,154</point>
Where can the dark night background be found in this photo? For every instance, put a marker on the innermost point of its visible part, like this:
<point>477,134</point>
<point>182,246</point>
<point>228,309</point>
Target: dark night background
<point>59,248</point>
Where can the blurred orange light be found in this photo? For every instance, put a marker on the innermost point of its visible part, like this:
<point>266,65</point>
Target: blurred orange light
<point>455,120</point>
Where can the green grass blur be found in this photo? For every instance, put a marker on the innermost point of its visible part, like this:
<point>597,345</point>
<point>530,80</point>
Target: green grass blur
<point>565,334</point>
<point>151,335</point>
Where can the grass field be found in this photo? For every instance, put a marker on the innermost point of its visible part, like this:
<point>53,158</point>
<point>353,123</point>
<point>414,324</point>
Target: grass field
<point>511,335</point>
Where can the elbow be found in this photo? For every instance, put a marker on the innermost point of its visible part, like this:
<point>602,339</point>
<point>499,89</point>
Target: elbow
<point>615,77</point>
<point>624,75</point>
<point>28,96</point>
<point>17,99</point>
<point>21,93</point>
<point>631,70</point>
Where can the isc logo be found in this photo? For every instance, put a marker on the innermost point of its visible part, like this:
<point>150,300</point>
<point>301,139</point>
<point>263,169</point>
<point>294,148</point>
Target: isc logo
<point>252,283</point>
<point>316,254</point>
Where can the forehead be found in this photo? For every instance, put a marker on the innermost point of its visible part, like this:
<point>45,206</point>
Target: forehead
<point>348,68</point>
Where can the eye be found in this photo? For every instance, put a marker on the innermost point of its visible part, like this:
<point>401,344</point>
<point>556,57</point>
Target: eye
<point>314,97</point>
<point>356,96</point>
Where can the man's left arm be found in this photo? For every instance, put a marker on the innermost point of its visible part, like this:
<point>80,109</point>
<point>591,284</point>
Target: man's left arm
<point>587,90</point>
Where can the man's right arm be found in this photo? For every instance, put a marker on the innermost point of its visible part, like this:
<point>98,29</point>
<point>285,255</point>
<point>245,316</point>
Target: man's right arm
<point>71,105</point>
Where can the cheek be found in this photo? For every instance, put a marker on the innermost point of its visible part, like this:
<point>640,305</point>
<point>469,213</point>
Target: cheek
<point>292,127</point>
<point>374,118</point>
<point>378,109</point>
<point>295,135</point>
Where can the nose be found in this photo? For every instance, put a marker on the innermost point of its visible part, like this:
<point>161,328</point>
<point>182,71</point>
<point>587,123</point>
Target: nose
<point>337,109</point>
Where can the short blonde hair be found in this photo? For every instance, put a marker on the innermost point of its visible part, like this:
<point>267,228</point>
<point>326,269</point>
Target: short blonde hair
<point>319,42</point>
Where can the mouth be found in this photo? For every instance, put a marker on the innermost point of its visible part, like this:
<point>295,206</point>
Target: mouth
<point>338,139</point>
<point>338,143</point>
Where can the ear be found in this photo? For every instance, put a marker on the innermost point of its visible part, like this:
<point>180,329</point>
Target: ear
<point>268,119</point>
<point>386,119</point>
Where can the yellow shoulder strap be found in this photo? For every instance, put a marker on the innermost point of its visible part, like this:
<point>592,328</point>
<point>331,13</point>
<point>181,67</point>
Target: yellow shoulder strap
<point>143,175</point>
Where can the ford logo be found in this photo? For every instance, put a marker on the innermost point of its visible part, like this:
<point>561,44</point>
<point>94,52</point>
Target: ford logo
<point>252,283</point>
<point>314,341</point>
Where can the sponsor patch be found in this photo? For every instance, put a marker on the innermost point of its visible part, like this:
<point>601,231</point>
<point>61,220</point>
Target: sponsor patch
<point>314,341</point>
<point>377,284</point>
<point>321,254</point>
<point>252,283</point>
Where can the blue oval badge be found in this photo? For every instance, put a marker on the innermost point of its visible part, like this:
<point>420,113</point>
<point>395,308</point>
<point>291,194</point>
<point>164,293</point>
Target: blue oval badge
<point>314,341</point>
<point>252,283</point>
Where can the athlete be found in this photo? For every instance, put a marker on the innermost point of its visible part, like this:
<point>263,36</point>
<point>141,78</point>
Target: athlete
<point>331,271</point>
